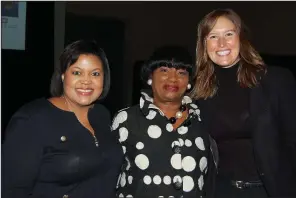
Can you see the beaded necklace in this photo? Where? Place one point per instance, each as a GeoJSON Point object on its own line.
{"type": "Point", "coordinates": [179, 114]}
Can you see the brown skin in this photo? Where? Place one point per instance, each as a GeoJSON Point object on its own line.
{"type": "Point", "coordinates": [83, 85]}
{"type": "Point", "coordinates": [169, 86]}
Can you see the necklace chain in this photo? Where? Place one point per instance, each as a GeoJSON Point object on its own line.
{"type": "Point", "coordinates": [68, 106]}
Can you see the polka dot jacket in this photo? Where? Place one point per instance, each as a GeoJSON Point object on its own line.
{"type": "Point", "coordinates": [161, 162]}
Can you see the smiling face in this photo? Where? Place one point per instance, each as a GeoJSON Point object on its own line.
{"type": "Point", "coordinates": [169, 84]}
{"type": "Point", "coordinates": [222, 43]}
{"type": "Point", "coordinates": [83, 81]}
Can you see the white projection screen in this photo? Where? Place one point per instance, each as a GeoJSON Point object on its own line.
{"type": "Point", "coordinates": [13, 25]}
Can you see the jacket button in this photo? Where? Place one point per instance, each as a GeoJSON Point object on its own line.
{"type": "Point", "coordinates": [178, 185]}
{"type": "Point", "coordinates": [177, 149]}
{"type": "Point", "coordinates": [63, 138]}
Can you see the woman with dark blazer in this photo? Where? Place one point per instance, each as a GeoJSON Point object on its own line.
{"type": "Point", "coordinates": [62, 146]}
{"type": "Point", "coordinates": [249, 110]}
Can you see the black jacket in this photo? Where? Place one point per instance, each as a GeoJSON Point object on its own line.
{"type": "Point", "coordinates": [273, 125]}
{"type": "Point", "coordinates": [47, 153]}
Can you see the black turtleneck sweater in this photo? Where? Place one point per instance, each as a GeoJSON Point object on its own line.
{"type": "Point", "coordinates": [230, 127]}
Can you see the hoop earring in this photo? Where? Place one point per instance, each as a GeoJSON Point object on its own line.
{"type": "Point", "coordinates": [149, 82]}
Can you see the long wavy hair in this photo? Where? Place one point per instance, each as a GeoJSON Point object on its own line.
{"type": "Point", "coordinates": [250, 64]}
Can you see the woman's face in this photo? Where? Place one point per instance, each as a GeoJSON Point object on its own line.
{"type": "Point", "coordinates": [169, 84]}
{"type": "Point", "coordinates": [222, 43]}
{"type": "Point", "coordinates": [83, 81]}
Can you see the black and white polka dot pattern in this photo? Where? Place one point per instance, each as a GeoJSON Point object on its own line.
{"type": "Point", "coordinates": [157, 158]}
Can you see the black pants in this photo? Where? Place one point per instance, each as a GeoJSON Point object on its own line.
{"type": "Point", "coordinates": [224, 189]}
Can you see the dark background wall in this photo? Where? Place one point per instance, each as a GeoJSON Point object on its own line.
{"type": "Point", "coordinates": [129, 32]}
{"type": "Point", "coordinates": [25, 75]}
{"type": "Point", "coordinates": [151, 24]}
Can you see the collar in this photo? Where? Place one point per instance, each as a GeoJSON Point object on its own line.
{"type": "Point", "coordinates": [148, 108]}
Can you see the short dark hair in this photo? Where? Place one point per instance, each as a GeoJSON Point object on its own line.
{"type": "Point", "coordinates": [70, 55]}
{"type": "Point", "coordinates": [169, 56]}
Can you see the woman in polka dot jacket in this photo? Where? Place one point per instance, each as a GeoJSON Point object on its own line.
{"type": "Point", "coordinates": [167, 152]}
